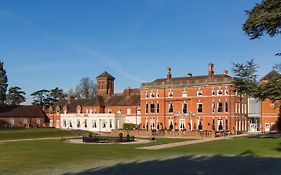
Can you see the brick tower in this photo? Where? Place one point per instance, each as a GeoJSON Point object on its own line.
{"type": "Point", "coordinates": [105, 84]}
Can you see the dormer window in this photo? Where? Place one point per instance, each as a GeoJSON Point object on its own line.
{"type": "Point", "coordinates": [91, 111]}
{"type": "Point", "coordinates": [152, 95]}
{"type": "Point", "coordinates": [78, 109]}
{"type": "Point", "coordinates": [213, 92]}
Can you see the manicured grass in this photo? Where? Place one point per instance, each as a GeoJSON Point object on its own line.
{"type": "Point", "coordinates": [9, 134]}
{"type": "Point", "coordinates": [54, 156]}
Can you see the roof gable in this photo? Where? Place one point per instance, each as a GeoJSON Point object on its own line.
{"type": "Point", "coordinates": [106, 75]}
{"type": "Point", "coordinates": [270, 75]}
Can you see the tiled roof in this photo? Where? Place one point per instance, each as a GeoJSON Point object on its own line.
{"type": "Point", "coordinates": [21, 111]}
{"type": "Point", "coordinates": [107, 75]}
{"type": "Point", "coordinates": [270, 75]}
{"type": "Point", "coordinates": [118, 99]}
{"type": "Point", "coordinates": [123, 100]}
{"type": "Point", "coordinates": [179, 79]}
{"type": "Point", "coordinates": [96, 101]}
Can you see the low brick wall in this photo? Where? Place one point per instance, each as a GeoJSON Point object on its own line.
{"type": "Point", "coordinates": [189, 134]}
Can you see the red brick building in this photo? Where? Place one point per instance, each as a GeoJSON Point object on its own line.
{"type": "Point", "coordinates": [207, 102]}
{"type": "Point", "coordinates": [269, 108]}
{"type": "Point", "coordinates": [22, 117]}
{"type": "Point", "coordinates": [106, 101]}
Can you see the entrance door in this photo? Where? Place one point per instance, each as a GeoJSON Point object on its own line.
{"type": "Point", "coordinates": [267, 127]}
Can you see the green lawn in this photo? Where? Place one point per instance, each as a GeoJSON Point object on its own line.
{"type": "Point", "coordinates": [54, 156]}
{"type": "Point", "coordinates": [9, 134]}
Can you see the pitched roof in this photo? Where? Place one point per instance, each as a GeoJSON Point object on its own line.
{"type": "Point", "coordinates": [96, 101]}
{"type": "Point", "coordinates": [123, 100]}
{"type": "Point", "coordinates": [118, 99]}
{"type": "Point", "coordinates": [270, 75]}
{"type": "Point", "coordinates": [21, 111]}
{"type": "Point", "coordinates": [107, 75]}
{"type": "Point", "coordinates": [179, 79]}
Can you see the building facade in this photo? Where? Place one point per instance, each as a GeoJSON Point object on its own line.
{"type": "Point", "coordinates": [12, 116]}
{"type": "Point", "coordinates": [105, 111]}
{"type": "Point", "coordinates": [269, 108]}
{"type": "Point", "coordinates": [207, 102]}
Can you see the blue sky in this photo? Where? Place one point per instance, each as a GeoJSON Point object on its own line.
{"type": "Point", "coordinates": [50, 43]}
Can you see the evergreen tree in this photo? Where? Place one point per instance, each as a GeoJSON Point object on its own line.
{"type": "Point", "coordinates": [3, 83]}
{"type": "Point", "coordinates": [15, 96]}
{"type": "Point", "coordinates": [41, 98]}
{"type": "Point", "coordinates": [57, 94]}
{"type": "Point", "coordinates": [264, 18]}
{"type": "Point", "coordinates": [245, 78]}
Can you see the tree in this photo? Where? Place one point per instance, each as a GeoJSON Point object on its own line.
{"type": "Point", "coordinates": [245, 80]}
{"type": "Point", "coordinates": [264, 18]}
{"type": "Point", "coordinates": [3, 83]}
{"type": "Point", "coordinates": [245, 77]}
{"type": "Point", "coordinates": [41, 98]}
{"type": "Point", "coordinates": [15, 96]}
{"type": "Point", "coordinates": [86, 88]}
{"type": "Point", "coordinates": [57, 94]}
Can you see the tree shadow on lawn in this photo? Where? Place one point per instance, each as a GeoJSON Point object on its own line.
{"type": "Point", "coordinates": [279, 149]}
{"type": "Point", "coordinates": [204, 165]}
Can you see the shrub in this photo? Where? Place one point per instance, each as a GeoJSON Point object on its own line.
{"type": "Point", "coordinates": [129, 126]}
{"type": "Point", "coordinates": [90, 134]}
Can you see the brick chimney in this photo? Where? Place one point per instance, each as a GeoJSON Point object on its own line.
{"type": "Point", "coordinates": [128, 91]}
{"type": "Point", "coordinates": [169, 75]}
{"type": "Point", "coordinates": [225, 72]}
{"type": "Point", "coordinates": [70, 99]}
{"type": "Point", "coordinates": [211, 70]}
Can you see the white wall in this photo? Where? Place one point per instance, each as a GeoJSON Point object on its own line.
{"type": "Point", "coordinates": [102, 122]}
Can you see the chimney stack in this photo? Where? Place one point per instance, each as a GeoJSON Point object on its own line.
{"type": "Point", "coordinates": [225, 71]}
{"type": "Point", "coordinates": [70, 99]}
{"type": "Point", "coordinates": [211, 70]}
{"type": "Point", "coordinates": [169, 75]}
